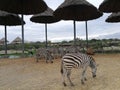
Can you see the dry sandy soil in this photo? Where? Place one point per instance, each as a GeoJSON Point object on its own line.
{"type": "Point", "coordinates": [26, 74]}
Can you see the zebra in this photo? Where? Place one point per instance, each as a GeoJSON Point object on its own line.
{"type": "Point", "coordinates": [44, 53]}
{"type": "Point", "coordinates": [77, 60]}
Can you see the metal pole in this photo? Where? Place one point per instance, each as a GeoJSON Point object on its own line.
{"type": "Point", "coordinates": [5, 40]}
{"type": "Point", "coordinates": [86, 34]}
{"type": "Point", "coordinates": [74, 33]}
{"type": "Point", "coordinates": [46, 44]}
{"type": "Point", "coordinates": [22, 34]}
{"type": "Point", "coordinates": [46, 41]}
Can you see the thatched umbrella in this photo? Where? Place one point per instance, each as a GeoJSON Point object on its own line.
{"type": "Point", "coordinates": [26, 7]}
{"type": "Point", "coordinates": [22, 7]}
{"type": "Point", "coordinates": [114, 17]}
{"type": "Point", "coordinates": [46, 17]}
{"type": "Point", "coordinates": [77, 10]}
{"type": "Point", "coordinates": [9, 19]}
{"type": "Point", "coordinates": [110, 6]}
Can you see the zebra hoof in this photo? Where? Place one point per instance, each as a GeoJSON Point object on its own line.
{"type": "Point", "coordinates": [46, 61]}
{"type": "Point", "coordinates": [82, 83]}
{"type": "Point", "coordinates": [64, 84]}
{"type": "Point", "coordinates": [85, 79]}
{"type": "Point", "coordinates": [72, 84]}
{"type": "Point", "coordinates": [51, 61]}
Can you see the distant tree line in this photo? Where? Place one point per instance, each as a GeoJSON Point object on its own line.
{"type": "Point", "coordinates": [99, 45]}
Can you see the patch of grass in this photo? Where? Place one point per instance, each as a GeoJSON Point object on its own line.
{"type": "Point", "coordinates": [14, 54]}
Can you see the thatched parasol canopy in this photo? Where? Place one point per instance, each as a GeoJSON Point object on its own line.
{"type": "Point", "coordinates": [10, 19]}
{"type": "Point", "coordinates": [78, 10]}
{"type": "Point", "coordinates": [45, 17]}
{"type": "Point", "coordinates": [110, 6]}
{"type": "Point", "coordinates": [23, 6]}
{"type": "Point", "coordinates": [114, 17]}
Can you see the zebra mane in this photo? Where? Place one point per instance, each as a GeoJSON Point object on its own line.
{"type": "Point", "coordinates": [92, 62]}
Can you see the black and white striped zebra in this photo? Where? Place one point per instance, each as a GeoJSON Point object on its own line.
{"type": "Point", "coordinates": [77, 60]}
{"type": "Point", "coordinates": [44, 53]}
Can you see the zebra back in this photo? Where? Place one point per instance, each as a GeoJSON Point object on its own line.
{"type": "Point", "coordinates": [76, 60]}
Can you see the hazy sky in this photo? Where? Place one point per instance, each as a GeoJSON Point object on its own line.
{"type": "Point", "coordinates": [62, 30]}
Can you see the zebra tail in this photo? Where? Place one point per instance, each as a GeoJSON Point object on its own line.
{"type": "Point", "coordinates": [62, 67]}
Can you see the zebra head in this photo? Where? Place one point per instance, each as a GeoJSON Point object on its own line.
{"type": "Point", "coordinates": [93, 67]}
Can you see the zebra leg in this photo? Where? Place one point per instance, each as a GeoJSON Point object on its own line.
{"type": "Point", "coordinates": [37, 57]}
{"type": "Point", "coordinates": [37, 60]}
{"type": "Point", "coordinates": [51, 58]}
{"type": "Point", "coordinates": [46, 61]}
{"type": "Point", "coordinates": [68, 76]}
{"type": "Point", "coordinates": [63, 72]}
{"type": "Point", "coordinates": [85, 78]}
{"type": "Point", "coordinates": [83, 75]}
{"type": "Point", "coordinates": [46, 58]}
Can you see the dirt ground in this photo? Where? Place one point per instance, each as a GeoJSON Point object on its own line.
{"type": "Point", "coordinates": [26, 74]}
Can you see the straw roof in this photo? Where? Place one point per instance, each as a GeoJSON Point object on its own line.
{"type": "Point", "coordinates": [110, 6]}
{"type": "Point", "coordinates": [9, 19]}
{"type": "Point", "coordinates": [114, 17]}
{"type": "Point", "coordinates": [45, 17]}
{"type": "Point", "coordinates": [23, 6]}
{"type": "Point", "coordinates": [79, 10]}
{"type": "Point", "coordinates": [17, 40]}
{"type": "Point", "coordinates": [2, 41]}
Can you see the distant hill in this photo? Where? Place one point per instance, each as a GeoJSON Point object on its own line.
{"type": "Point", "coordinates": [115, 35]}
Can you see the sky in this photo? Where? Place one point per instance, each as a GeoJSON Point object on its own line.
{"type": "Point", "coordinates": [62, 30]}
